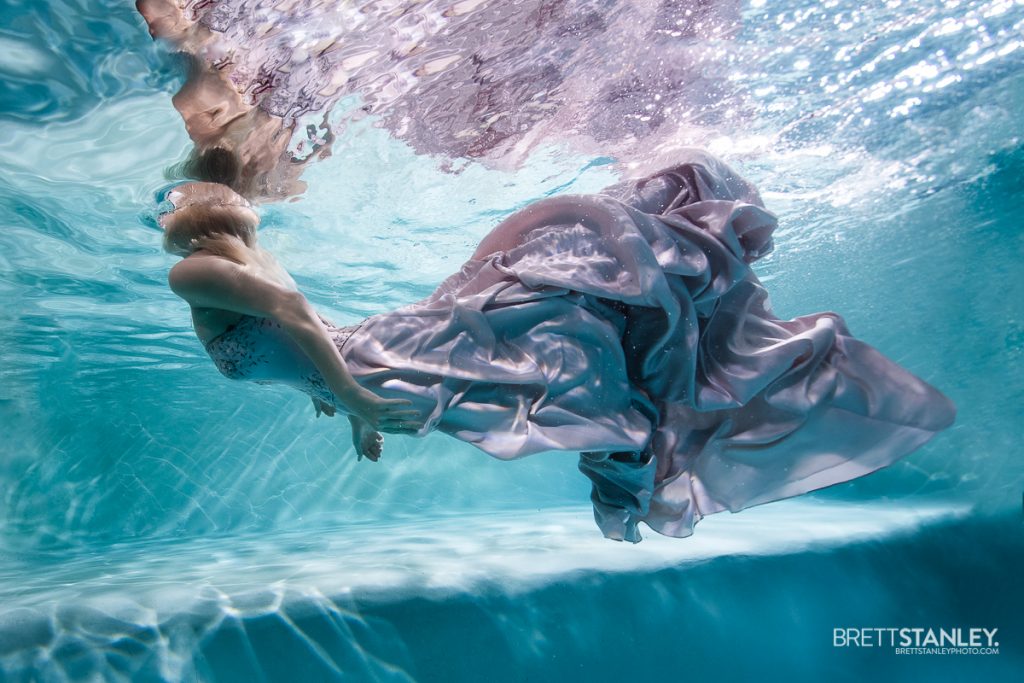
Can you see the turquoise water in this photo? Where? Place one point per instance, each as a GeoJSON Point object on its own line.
{"type": "Point", "coordinates": [159, 522]}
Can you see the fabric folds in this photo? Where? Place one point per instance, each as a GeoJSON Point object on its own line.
{"type": "Point", "coordinates": [630, 327]}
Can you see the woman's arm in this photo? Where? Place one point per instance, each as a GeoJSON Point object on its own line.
{"type": "Point", "coordinates": [214, 282]}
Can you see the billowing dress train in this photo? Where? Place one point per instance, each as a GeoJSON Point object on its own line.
{"type": "Point", "coordinates": [629, 327]}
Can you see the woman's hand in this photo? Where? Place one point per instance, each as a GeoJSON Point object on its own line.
{"type": "Point", "coordinates": [322, 408]}
{"type": "Point", "coordinates": [367, 441]}
{"type": "Point", "coordinates": [385, 414]}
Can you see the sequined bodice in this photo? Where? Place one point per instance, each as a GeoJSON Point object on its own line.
{"type": "Point", "coordinates": [259, 350]}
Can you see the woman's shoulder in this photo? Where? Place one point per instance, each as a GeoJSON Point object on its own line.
{"type": "Point", "coordinates": [199, 272]}
{"type": "Point", "coordinates": [251, 288]}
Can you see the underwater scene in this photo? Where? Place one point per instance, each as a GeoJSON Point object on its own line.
{"type": "Point", "coordinates": [600, 340]}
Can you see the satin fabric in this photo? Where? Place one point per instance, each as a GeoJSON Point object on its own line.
{"type": "Point", "coordinates": [629, 327]}
{"type": "Point", "coordinates": [633, 330]}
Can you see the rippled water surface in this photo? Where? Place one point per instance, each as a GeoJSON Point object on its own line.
{"type": "Point", "coordinates": [886, 135]}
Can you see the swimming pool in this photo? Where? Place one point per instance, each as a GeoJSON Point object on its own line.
{"type": "Point", "coordinates": [157, 522]}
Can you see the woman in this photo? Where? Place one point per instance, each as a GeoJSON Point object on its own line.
{"type": "Point", "coordinates": [628, 326]}
{"type": "Point", "coordinates": [226, 279]}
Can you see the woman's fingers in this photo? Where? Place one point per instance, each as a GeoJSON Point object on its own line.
{"type": "Point", "coordinates": [323, 408]}
{"type": "Point", "coordinates": [370, 448]}
{"type": "Point", "coordinates": [399, 411]}
{"type": "Point", "coordinates": [395, 415]}
{"type": "Point", "coordinates": [374, 447]}
{"type": "Point", "coordinates": [391, 419]}
{"type": "Point", "coordinates": [390, 403]}
{"type": "Point", "coordinates": [406, 422]}
{"type": "Point", "coordinates": [400, 429]}
{"type": "Point", "coordinates": [399, 415]}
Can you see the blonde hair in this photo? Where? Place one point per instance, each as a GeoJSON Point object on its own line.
{"type": "Point", "coordinates": [219, 229]}
{"type": "Point", "coordinates": [214, 218]}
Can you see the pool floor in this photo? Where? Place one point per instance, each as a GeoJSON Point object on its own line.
{"type": "Point", "coordinates": [526, 595]}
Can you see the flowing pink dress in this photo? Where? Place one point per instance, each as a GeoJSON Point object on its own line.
{"type": "Point", "coordinates": [630, 327]}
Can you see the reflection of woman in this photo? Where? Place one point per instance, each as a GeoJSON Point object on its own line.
{"type": "Point", "coordinates": [629, 328]}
